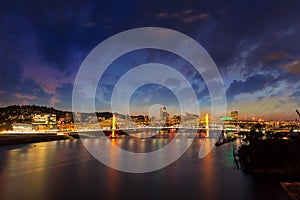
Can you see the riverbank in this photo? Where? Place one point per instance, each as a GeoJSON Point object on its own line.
{"type": "Point", "coordinates": [224, 141]}
{"type": "Point", "coordinates": [272, 157]}
{"type": "Point", "coordinates": [292, 189]}
{"type": "Point", "coordinates": [13, 139]}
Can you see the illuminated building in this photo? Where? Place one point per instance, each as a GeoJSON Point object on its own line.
{"type": "Point", "coordinates": [67, 127]}
{"type": "Point", "coordinates": [235, 117]}
{"type": "Point", "coordinates": [68, 117]}
{"type": "Point", "coordinates": [44, 121]}
{"type": "Point", "coordinates": [163, 113]}
{"type": "Point", "coordinates": [22, 127]}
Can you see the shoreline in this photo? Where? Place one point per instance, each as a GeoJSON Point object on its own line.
{"type": "Point", "coordinates": [16, 139]}
{"type": "Point", "coordinates": [271, 158]}
{"type": "Point", "coordinates": [219, 143]}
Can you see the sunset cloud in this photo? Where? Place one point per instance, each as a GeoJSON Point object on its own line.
{"type": "Point", "coordinates": [257, 54]}
{"type": "Point", "coordinates": [24, 96]}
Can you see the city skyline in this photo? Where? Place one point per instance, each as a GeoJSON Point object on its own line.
{"type": "Point", "coordinates": [254, 45]}
{"type": "Point", "coordinates": [155, 111]}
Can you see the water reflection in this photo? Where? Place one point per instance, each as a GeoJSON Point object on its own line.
{"type": "Point", "coordinates": [65, 170]}
{"type": "Point", "coordinates": [209, 175]}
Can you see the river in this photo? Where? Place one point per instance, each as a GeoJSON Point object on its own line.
{"type": "Point", "coordinates": [66, 170]}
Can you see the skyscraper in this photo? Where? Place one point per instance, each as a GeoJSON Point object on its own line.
{"type": "Point", "coordinates": [163, 113]}
{"type": "Point", "coordinates": [235, 117]}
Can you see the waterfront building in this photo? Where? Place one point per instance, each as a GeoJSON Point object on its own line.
{"type": "Point", "coordinates": [44, 121]}
{"type": "Point", "coordinates": [22, 127]}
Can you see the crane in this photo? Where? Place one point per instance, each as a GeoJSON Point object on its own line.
{"type": "Point", "coordinates": [298, 113]}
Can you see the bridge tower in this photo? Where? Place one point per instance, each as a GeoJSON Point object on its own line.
{"type": "Point", "coordinates": [114, 122]}
{"type": "Point", "coordinates": [207, 124]}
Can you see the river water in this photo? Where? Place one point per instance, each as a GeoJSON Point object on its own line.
{"type": "Point", "coordinates": [66, 170]}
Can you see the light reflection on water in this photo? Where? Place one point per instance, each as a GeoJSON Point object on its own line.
{"type": "Point", "coordinates": [65, 170]}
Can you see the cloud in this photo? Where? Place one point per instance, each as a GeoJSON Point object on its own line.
{"type": "Point", "coordinates": [250, 85]}
{"type": "Point", "coordinates": [63, 97]}
{"type": "Point", "coordinates": [47, 77]}
{"type": "Point", "coordinates": [151, 94]}
{"type": "Point", "coordinates": [44, 44]}
{"type": "Point", "coordinates": [276, 100]}
{"type": "Point", "coordinates": [24, 74]}
{"type": "Point", "coordinates": [24, 96]}
{"type": "Point", "coordinates": [187, 12]}
{"type": "Point", "coordinates": [267, 108]}
{"type": "Point", "coordinates": [185, 16]}
{"type": "Point", "coordinates": [275, 56]}
{"type": "Point", "coordinates": [292, 67]}
{"type": "Point", "coordinates": [54, 100]}
{"type": "Point", "coordinates": [162, 15]}
{"type": "Point", "coordinates": [193, 18]}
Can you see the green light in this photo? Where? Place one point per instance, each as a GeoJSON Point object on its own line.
{"type": "Point", "coordinates": [226, 118]}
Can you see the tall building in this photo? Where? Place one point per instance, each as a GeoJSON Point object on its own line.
{"type": "Point", "coordinates": [235, 117]}
{"type": "Point", "coordinates": [163, 113]}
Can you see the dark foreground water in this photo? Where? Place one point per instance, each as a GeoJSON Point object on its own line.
{"type": "Point", "coordinates": [66, 170]}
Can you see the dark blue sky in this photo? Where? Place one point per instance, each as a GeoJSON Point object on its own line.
{"type": "Point", "coordinates": [255, 44]}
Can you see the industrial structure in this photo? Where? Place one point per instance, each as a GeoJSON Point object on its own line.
{"type": "Point", "coordinates": [298, 113]}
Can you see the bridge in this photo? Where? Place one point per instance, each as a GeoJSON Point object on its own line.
{"type": "Point", "coordinates": [122, 126]}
